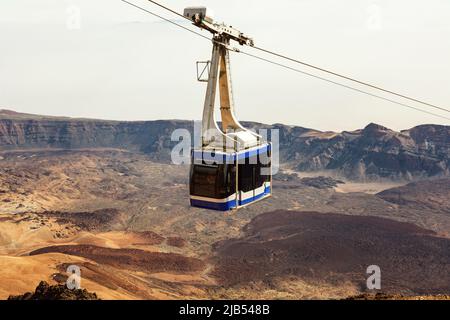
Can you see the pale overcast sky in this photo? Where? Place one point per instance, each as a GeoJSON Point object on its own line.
{"type": "Point", "coordinates": [120, 63]}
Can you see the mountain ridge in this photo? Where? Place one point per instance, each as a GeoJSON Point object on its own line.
{"type": "Point", "coordinates": [370, 153]}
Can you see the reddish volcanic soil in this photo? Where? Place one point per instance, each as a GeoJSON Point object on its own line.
{"type": "Point", "coordinates": [336, 248]}
{"type": "Point", "coordinates": [176, 242]}
{"type": "Point", "coordinates": [149, 238]}
{"type": "Point", "coordinates": [131, 259]}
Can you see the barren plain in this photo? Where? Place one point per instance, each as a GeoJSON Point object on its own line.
{"type": "Point", "coordinates": [126, 221]}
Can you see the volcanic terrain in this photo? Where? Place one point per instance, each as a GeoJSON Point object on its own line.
{"type": "Point", "coordinates": [100, 196]}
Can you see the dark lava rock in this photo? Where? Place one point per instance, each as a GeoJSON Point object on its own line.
{"type": "Point", "coordinates": [321, 182]}
{"type": "Point", "coordinates": [423, 195]}
{"type": "Point", "coordinates": [44, 291]}
{"type": "Point", "coordinates": [291, 181]}
{"type": "Point", "coordinates": [335, 248]}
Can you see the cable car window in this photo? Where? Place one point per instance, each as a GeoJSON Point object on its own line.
{"type": "Point", "coordinates": [203, 180]}
{"type": "Point", "coordinates": [247, 174]}
{"type": "Point", "coordinates": [231, 179]}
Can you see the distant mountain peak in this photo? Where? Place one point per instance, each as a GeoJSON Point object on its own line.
{"type": "Point", "coordinates": [374, 127]}
{"type": "Point", "coordinates": [8, 112]}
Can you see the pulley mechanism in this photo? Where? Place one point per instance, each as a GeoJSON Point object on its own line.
{"type": "Point", "coordinates": [202, 18]}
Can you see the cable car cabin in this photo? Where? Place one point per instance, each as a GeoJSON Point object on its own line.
{"type": "Point", "coordinates": [232, 168]}
{"type": "Point", "coordinates": [217, 183]}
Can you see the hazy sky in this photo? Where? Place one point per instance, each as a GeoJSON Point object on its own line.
{"type": "Point", "coordinates": [117, 62]}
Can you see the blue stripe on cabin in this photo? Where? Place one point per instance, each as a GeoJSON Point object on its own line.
{"type": "Point", "coordinates": [228, 157]}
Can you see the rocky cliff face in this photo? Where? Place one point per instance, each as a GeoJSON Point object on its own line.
{"type": "Point", "coordinates": [19, 131]}
{"type": "Point", "coordinates": [371, 153]}
{"type": "Point", "coordinates": [376, 152]}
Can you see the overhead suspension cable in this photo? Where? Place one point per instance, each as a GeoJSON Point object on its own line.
{"type": "Point", "coordinates": [322, 69]}
{"type": "Point", "coordinates": [165, 19]}
{"type": "Point", "coordinates": [168, 9]}
{"type": "Point", "coordinates": [170, 21]}
{"type": "Point", "coordinates": [350, 79]}
{"type": "Point", "coordinates": [341, 85]}
{"type": "Point", "coordinates": [303, 63]}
